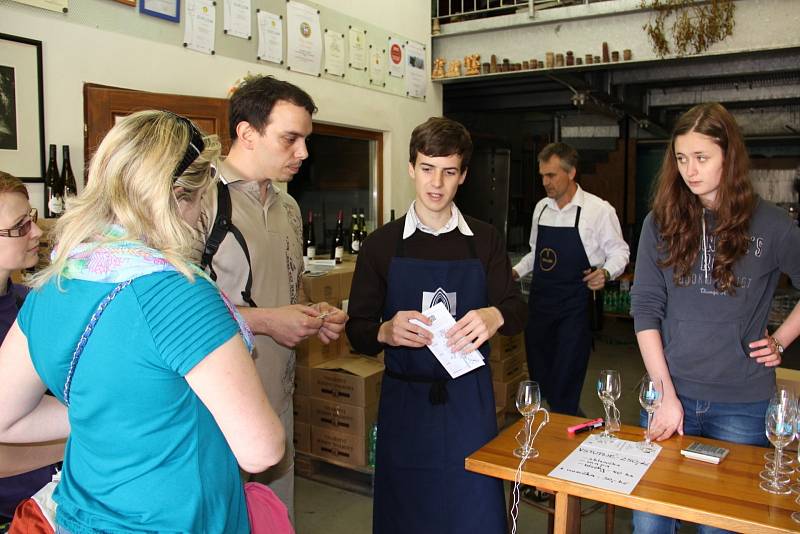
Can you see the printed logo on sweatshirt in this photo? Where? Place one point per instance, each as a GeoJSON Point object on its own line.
{"type": "Point", "coordinates": [431, 299]}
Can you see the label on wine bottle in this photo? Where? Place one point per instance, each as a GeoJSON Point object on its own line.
{"type": "Point", "coordinates": [55, 205]}
{"type": "Point", "coordinates": [311, 251]}
{"type": "Point", "coordinates": [339, 254]}
{"type": "Point", "coordinates": [356, 245]}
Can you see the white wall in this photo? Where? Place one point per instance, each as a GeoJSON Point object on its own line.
{"type": "Point", "coordinates": [75, 53]}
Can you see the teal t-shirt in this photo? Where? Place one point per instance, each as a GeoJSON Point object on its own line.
{"type": "Point", "coordinates": [144, 454]}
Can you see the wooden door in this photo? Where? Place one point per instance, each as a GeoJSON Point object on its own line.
{"type": "Point", "coordinates": [103, 105]}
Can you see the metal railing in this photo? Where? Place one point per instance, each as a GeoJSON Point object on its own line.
{"type": "Point", "coordinates": [457, 10]}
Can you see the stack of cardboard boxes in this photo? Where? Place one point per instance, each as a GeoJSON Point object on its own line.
{"type": "Point", "coordinates": [507, 360]}
{"type": "Point", "coordinates": [336, 392]}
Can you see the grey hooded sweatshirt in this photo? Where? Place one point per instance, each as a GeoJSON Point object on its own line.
{"type": "Point", "coordinates": [706, 333]}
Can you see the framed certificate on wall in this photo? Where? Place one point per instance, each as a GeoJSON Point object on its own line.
{"type": "Point", "coordinates": [163, 9]}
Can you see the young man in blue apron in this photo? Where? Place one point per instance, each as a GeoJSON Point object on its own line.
{"type": "Point", "coordinates": [428, 422]}
{"type": "Point", "coordinates": [576, 247]}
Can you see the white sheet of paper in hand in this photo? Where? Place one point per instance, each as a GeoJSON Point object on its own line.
{"type": "Point", "coordinates": [455, 363]}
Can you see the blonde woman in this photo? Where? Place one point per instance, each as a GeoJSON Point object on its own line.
{"type": "Point", "coordinates": [153, 381]}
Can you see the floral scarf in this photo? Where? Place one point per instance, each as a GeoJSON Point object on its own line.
{"type": "Point", "coordinates": [120, 260]}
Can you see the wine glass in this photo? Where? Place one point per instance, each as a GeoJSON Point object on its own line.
{"type": "Point", "coordinates": [779, 423]}
{"type": "Point", "coordinates": [529, 400]}
{"type": "Point", "coordinates": [650, 395]}
{"type": "Point", "coordinates": [609, 389]}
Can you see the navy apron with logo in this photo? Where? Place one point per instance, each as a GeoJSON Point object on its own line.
{"type": "Point", "coordinates": [427, 422]}
{"type": "Point", "coordinates": [557, 337]}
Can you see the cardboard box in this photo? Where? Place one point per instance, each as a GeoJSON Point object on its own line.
{"type": "Point", "coordinates": [343, 417]}
{"type": "Point", "coordinates": [346, 282]}
{"type": "Point", "coordinates": [302, 380]}
{"type": "Point", "coordinates": [505, 370]}
{"type": "Point", "coordinates": [311, 351]}
{"type": "Point", "coordinates": [301, 407]}
{"type": "Point", "coordinates": [505, 393]}
{"type": "Point", "coordinates": [339, 446]}
{"type": "Point", "coordinates": [302, 437]}
{"type": "Point", "coordinates": [504, 347]}
{"type": "Point", "coordinates": [501, 417]}
{"type": "Point", "coordinates": [322, 288]}
{"type": "Point", "coordinates": [352, 380]}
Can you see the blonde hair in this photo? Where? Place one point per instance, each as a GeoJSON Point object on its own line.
{"type": "Point", "coordinates": [131, 184]}
{"type": "Point", "coordinates": [12, 184]}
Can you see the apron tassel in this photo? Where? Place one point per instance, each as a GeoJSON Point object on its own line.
{"type": "Point", "coordinates": [438, 392]}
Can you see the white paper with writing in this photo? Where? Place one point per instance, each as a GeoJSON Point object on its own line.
{"type": "Point", "coordinates": [198, 32]}
{"type": "Point", "coordinates": [615, 465]}
{"type": "Point", "coordinates": [303, 38]}
{"type": "Point", "coordinates": [270, 37]}
{"type": "Point", "coordinates": [334, 53]}
{"type": "Point", "coordinates": [456, 364]}
{"type": "Point", "coordinates": [236, 19]}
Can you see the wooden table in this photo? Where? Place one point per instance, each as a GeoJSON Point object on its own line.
{"type": "Point", "coordinates": [724, 495]}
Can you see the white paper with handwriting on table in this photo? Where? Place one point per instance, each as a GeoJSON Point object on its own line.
{"type": "Point", "coordinates": [615, 465]}
{"type": "Point", "coordinates": [455, 363]}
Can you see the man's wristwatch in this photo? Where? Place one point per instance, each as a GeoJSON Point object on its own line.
{"type": "Point", "coordinates": [606, 275]}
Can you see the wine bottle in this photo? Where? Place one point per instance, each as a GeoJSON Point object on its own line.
{"type": "Point", "coordinates": [362, 225]}
{"type": "Point", "coordinates": [355, 235]}
{"type": "Point", "coordinates": [391, 215]}
{"type": "Point", "coordinates": [53, 195]}
{"type": "Point", "coordinates": [337, 247]}
{"type": "Point", "coordinates": [310, 242]}
{"type": "Point", "coordinates": [67, 178]}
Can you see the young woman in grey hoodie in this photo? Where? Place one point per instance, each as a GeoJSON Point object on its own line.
{"type": "Point", "coordinates": [708, 263]}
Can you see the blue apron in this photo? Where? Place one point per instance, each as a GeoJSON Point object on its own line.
{"type": "Point", "coordinates": [428, 422]}
{"type": "Point", "coordinates": [557, 337]}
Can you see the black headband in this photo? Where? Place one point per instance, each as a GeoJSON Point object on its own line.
{"type": "Point", "coordinates": [193, 150]}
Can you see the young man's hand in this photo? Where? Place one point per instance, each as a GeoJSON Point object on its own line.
{"type": "Point", "coordinates": [333, 321]}
{"type": "Point", "coordinates": [474, 329]}
{"type": "Point", "coordinates": [400, 332]}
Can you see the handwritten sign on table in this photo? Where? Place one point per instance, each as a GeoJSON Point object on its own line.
{"type": "Point", "coordinates": [456, 363]}
{"type": "Point", "coordinates": [614, 464]}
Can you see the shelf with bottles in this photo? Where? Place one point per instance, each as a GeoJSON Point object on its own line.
{"type": "Point", "coordinates": [617, 298]}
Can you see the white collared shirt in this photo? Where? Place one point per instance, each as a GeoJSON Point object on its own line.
{"type": "Point", "coordinates": [413, 223]}
{"type": "Point", "coordinates": [598, 228]}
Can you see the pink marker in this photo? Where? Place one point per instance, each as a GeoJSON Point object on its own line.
{"type": "Point", "coordinates": [585, 426]}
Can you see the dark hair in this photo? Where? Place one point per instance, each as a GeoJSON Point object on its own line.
{"type": "Point", "coordinates": [678, 211]}
{"type": "Point", "coordinates": [254, 99]}
{"type": "Point", "coordinates": [440, 136]}
{"type": "Point", "coordinates": [567, 154]}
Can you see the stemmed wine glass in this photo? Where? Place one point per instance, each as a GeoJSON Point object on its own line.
{"type": "Point", "coordinates": [650, 395]}
{"type": "Point", "coordinates": [609, 389]}
{"type": "Point", "coordinates": [780, 422]}
{"type": "Point", "coordinates": [529, 402]}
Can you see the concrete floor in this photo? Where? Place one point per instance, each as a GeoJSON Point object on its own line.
{"type": "Point", "coordinates": [320, 508]}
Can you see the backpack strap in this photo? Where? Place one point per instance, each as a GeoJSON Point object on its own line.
{"type": "Point", "coordinates": [76, 355]}
{"type": "Point", "coordinates": [223, 223]}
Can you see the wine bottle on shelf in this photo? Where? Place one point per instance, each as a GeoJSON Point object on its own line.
{"type": "Point", "coordinates": [355, 234]}
{"type": "Point", "coordinates": [337, 247]}
{"type": "Point", "coordinates": [67, 178]}
{"type": "Point", "coordinates": [310, 242]}
{"type": "Point", "coordinates": [53, 191]}
{"type": "Point", "coordinates": [362, 225]}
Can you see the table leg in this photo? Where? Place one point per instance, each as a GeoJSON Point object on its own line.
{"type": "Point", "coordinates": [568, 514]}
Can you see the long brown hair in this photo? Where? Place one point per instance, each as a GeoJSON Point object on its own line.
{"type": "Point", "coordinates": [678, 211]}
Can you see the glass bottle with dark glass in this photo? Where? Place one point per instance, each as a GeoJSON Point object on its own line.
{"type": "Point", "coordinates": [362, 225]}
{"type": "Point", "coordinates": [67, 178]}
{"type": "Point", "coordinates": [391, 215]}
{"type": "Point", "coordinates": [355, 234]}
{"type": "Point", "coordinates": [53, 190]}
{"type": "Point", "coordinates": [310, 241]}
{"type": "Point", "coordinates": [337, 247]}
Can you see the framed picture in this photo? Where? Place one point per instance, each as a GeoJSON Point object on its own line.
{"type": "Point", "coordinates": [21, 108]}
{"type": "Point", "coordinates": [163, 9]}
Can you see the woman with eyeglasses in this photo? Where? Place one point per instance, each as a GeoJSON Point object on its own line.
{"type": "Point", "coordinates": [149, 364]}
{"type": "Point", "coordinates": [23, 470]}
